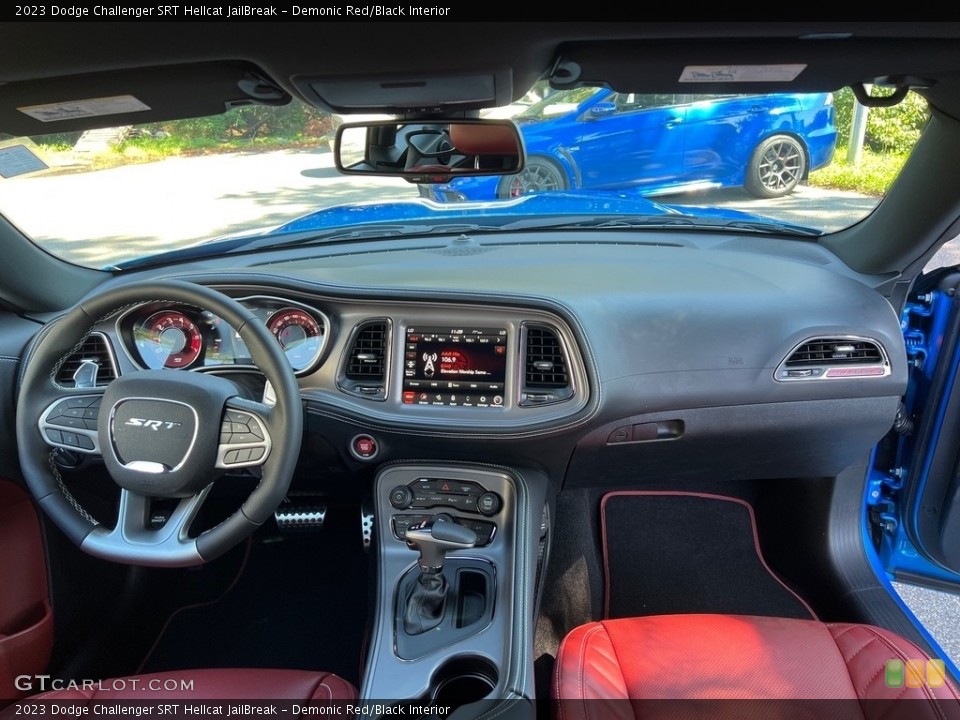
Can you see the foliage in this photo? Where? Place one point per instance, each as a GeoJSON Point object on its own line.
{"type": "Point", "coordinates": [894, 129]}
{"type": "Point", "coordinates": [293, 121]}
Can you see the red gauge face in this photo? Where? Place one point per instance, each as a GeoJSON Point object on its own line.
{"type": "Point", "coordinates": [299, 334]}
{"type": "Point", "coordinates": [168, 339]}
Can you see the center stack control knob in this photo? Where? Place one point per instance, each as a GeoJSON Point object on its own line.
{"type": "Point", "coordinates": [401, 497]}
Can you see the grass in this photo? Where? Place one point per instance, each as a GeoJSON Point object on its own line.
{"type": "Point", "coordinates": [873, 176]}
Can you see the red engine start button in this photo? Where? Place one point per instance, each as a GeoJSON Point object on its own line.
{"type": "Point", "coordinates": [364, 447]}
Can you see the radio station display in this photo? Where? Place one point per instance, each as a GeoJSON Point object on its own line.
{"type": "Point", "coordinates": [455, 367]}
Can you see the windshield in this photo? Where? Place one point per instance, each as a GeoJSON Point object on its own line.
{"type": "Point", "coordinates": [782, 164]}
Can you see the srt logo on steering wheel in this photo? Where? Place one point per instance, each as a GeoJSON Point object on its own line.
{"type": "Point", "coordinates": [152, 424]}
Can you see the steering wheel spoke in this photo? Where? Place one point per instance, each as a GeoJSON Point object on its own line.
{"type": "Point", "coordinates": [244, 436]}
{"type": "Point", "coordinates": [134, 538]}
{"type": "Point", "coordinates": [71, 422]}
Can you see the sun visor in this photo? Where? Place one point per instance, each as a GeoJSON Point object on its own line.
{"type": "Point", "coordinates": [812, 64]}
{"type": "Point", "coordinates": [423, 93]}
{"type": "Point", "coordinates": [131, 97]}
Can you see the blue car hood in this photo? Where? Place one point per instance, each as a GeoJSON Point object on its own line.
{"type": "Point", "coordinates": [426, 213]}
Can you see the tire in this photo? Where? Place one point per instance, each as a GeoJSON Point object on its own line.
{"type": "Point", "coordinates": [540, 175]}
{"type": "Point", "coordinates": [777, 166]}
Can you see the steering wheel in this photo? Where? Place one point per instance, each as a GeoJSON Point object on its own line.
{"type": "Point", "coordinates": [161, 433]}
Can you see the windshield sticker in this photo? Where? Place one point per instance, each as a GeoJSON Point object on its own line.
{"type": "Point", "coordinates": [19, 160]}
{"type": "Point", "coordinates": [740, 73]}
{"type": "Point", "coordinates": [94, 107]}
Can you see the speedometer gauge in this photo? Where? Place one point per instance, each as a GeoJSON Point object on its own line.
{"type": "Point", "coordinates": [299, 334]}
{"type": "Point", "coordinates": [168, 339]}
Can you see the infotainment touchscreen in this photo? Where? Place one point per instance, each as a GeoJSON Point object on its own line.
{"type": "Point", "coordinates": [455, 367]}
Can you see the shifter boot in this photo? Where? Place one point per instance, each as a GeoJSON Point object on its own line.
{"type": "Point", "coordinates": [425, 603]}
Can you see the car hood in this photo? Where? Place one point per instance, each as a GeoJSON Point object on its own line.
{"type": "Point", "coordinates": [425, 216]}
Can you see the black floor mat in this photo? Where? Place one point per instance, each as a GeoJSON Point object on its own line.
{"type": "Point", "coordinates": [301, 602]}
{"type": "Point", "coordinates": [667, 553]}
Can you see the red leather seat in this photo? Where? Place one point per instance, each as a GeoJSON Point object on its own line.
{"type": "Point", "coordinates": [245, 684]}
{"type": "Point", "coordinates": [690, 657]}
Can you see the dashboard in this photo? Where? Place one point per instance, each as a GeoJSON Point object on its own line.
{"type": "Point", "coordinates": [606, 363]}
{"type": "Point", "coordinates": [404, 362]}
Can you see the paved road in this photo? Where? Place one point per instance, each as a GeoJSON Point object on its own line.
{"type": "Point", "coordinates": [939, 612]}
{"type": "Point", "coordinates": [156, 206]}
{"type": "Point", "coordinates": [146, 208]}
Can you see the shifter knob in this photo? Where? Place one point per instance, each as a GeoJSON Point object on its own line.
{"type": "Point", "coordinates": [434, 537]}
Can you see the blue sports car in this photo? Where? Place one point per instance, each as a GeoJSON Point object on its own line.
{"type": "Point", "coordinates": [597, 139]}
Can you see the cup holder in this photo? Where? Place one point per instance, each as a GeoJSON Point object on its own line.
{"type": "Point", "coordinates": [464, 680]}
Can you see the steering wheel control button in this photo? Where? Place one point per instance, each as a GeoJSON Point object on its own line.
{"type": "Point", "coordinates": [364, 447]}
{"type": "Point", "coordinates": [489, 504]}
{"type": "Point", "coordinates": [72, 423]}
{"type": "Point", "coordinates": [401, 497]}
{"type": "Point", "coordinates": [243, 440]}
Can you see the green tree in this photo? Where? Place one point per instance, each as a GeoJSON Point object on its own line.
{"type": "Point", "coordinates": [889, 130]}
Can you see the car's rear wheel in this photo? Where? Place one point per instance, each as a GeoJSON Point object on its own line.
{"type": "Point", "coordinates": [540, 175]}
{"type": "Point", "coordinates": [777, 166]}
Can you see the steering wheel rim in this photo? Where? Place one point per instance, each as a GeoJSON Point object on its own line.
{"type": "Point", "coordinates": [132, 540]}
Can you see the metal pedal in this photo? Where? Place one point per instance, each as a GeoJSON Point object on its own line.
{"type": "Point", "coordinates": [300, 517]}
{"type": "Point", "coordinates": [366, 523]}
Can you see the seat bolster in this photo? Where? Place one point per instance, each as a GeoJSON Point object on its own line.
{"type": "Point", "coordinates": [587, 673]}
{"type": "Point", "coordinates": [866, 650]}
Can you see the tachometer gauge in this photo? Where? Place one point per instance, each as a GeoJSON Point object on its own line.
{"type": "Point", "coordinates": [168, 339]}
{"type": "Point", "coordinates": [299, 334]}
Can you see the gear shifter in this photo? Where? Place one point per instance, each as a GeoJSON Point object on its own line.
{"type": "Point", "coordinates": [433, 539]}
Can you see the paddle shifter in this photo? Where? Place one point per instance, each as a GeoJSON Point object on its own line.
{"type": "Point", "coordinates": [433, 538]}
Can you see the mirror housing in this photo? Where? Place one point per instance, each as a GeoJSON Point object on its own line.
{"type": "Point", "coordinates": [429, 151]}
{"type": "Point", "coordinates": [601, 109]}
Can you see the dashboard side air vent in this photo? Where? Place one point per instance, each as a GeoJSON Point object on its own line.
{"type": "Point", "coordinates": [546, 372]}
{"type": "Point", "coordinates": [834, 357]}
{"type": "Point", "coordinates": [365, 367]}
{"type": "Point", "coordinates": [94, 354]}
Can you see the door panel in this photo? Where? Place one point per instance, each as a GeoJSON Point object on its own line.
{"type": "Point", "coordinates": [26, 619]}
{"type": "Point", "coordinates": [638, 143]}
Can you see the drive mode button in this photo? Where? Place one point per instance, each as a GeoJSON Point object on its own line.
{"type": "Point", "coordinates": [489, 504]}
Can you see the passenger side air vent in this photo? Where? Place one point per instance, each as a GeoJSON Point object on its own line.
{"type": "Point", "coordinates": [365, 371]}
{"type": "Point", "coordinates": [546, 372]}
{"type": "Point", "coordinates": [77, 371]}
{"type": "Point", "coordinates": [836, 357]}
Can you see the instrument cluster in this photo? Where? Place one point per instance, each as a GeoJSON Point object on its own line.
{"type": "Point", "coordinates": [163, 335]}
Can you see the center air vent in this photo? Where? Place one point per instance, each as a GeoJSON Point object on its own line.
{"type": "Point", "coordinates": [546, 372]}
{"type": "Point", "coordinates": [365, 370]}
{"type": "Point", "coordinates": [834, 357]}
{"type": "Point", "coordinates": [93, 350]}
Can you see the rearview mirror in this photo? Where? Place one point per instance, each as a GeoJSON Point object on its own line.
{"type": "Point", "coordinates": [429, 151]}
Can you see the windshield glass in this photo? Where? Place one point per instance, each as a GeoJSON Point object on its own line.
{"type": "Point", "coordinates": [785, 164]}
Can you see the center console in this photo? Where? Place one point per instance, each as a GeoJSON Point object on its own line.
{"type": "Point", "coordinates": [457, 554]}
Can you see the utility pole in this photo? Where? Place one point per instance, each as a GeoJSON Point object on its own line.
{"type": "Point", "coordinates": [858, 131]}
